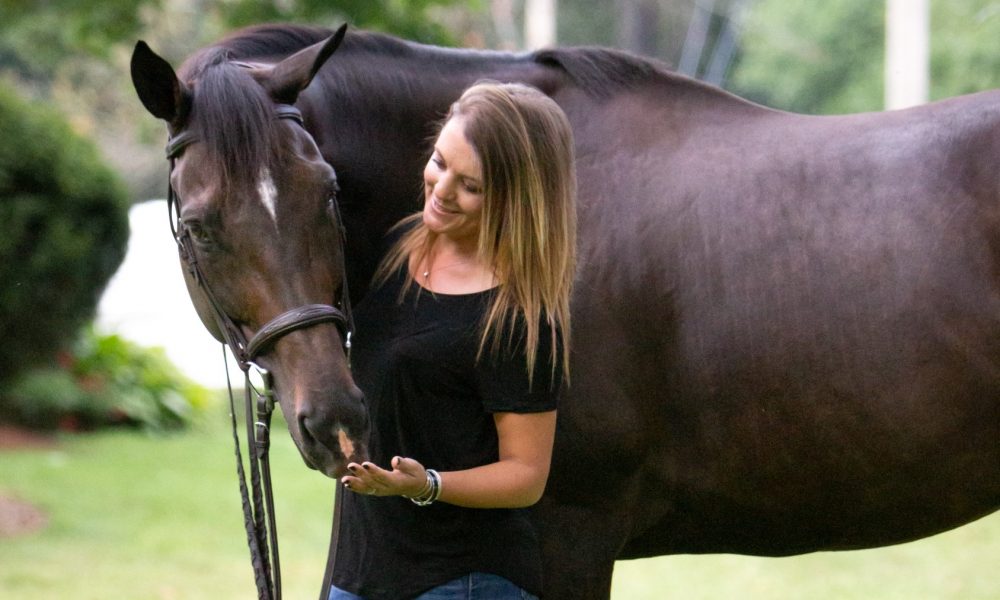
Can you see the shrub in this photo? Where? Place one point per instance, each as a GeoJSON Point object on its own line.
{"type": "Point", "coordinates": [105, 380]}
{"type": "Point", "coordinates": [64, 220]}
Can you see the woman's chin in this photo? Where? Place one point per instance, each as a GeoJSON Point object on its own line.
{"type": "Point", "coordinates": [440, 224]}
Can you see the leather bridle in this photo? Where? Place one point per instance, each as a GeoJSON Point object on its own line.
{"type": "Point", "coordinates": [261, 537]}
{"type": "Point", "coordinates": [296, 318]}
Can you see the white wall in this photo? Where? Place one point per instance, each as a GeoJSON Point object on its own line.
{"type": "Point", "coordinates": [146, 301]}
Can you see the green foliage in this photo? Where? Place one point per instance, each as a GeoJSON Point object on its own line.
{"type": "Point", "coordinates": [406, 18]}
{"type": "Point", "coordinates": [64, 225]}
{"type": "Point", "coordinates": [813, 57]}
{"type": "Point", "coordinates": [38, 35]}
{"type": "Point", "coordinates": [106, 380]}
{"type": "Point", "coordinates": [828, 57]}
{"type": "Point", "coordinates": [75, 54]}
{"type": "Point", "coordinates": [586, 23]}
{"type": "Point", "coordinates": [965, 46]}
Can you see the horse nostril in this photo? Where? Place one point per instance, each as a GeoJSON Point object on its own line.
{"type": "Point", "coordinates": [335, 437]}
{"type": "Point", "coordinates": [309, 428]}
{"type": "Point", "coordinates": [336, 429]}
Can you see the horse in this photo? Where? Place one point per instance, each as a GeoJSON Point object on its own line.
{"type": "Point", "coordinates": [786, 328]}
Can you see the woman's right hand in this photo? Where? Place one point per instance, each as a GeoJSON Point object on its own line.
{"type": "Point", "coordinates": [407, 478]}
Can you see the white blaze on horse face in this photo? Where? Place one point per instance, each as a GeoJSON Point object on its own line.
{"type": "Point", "coordinates": [346, 445]}
{"type": "Point", "coordinates": [268, 194]}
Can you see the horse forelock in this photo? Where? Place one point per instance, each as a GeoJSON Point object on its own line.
{"type": "Point", "coordinates": [234, 118]}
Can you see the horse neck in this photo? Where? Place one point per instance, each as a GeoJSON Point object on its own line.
{"type": "Point", "coordinates": [374, 115]}
{"type": "Point", "coordinates": [410, 88]}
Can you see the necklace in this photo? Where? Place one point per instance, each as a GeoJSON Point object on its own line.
{"type": "Point", "coordinates": [427, 272]}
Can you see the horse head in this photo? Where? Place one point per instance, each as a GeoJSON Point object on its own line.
{"type": "Point", "coordinates": [259, 233]}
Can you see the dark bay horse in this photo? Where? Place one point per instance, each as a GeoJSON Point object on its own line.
{"type": "Point", "coordinates": [786, 327]}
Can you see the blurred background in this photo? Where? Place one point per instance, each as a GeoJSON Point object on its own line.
{"type": "Point", "coordinates": [111, 413]}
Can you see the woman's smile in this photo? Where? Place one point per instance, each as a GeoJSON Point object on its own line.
{"type": "Point", "coordinates": [438, 206]}
{"type": "Point", "coordinates": [453, 184]}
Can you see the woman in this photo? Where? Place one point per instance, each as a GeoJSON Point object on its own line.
{"type": "Point", "coordinates": [462, 348]}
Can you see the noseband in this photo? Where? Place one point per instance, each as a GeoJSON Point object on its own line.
{"type": "Point", "coordinates": [260, 535]}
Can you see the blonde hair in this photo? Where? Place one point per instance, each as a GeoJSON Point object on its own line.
{"type": "Point", "coordinates": [527, 231]}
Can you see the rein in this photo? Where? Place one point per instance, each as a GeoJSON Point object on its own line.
{"type": "Point", "coordinates": [258, 501]}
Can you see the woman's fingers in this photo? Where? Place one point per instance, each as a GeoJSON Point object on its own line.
{"type": "Point", "coordinates": [408, 467]}
{"type": "Point", "coordinates": [363, 479]}
{"type": "Point", "coordinates": [413, 476]}
{"type": "Point", "coordinates": [368, 478]}
{"type": "Point", "coordinates": [375, 473]}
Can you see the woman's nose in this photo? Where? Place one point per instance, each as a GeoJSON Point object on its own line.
{"type": "Point", "coordinates": [444, 187]}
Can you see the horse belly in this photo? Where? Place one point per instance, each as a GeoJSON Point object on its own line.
{"type": "Point", "coordinates": [827, 380]}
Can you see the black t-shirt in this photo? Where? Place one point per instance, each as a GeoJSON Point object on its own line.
{"type": "Point", "coordinates": [431, 400]}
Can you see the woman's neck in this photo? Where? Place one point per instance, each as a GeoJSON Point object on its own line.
{"type": "Point", "coordinates": [454, 268]}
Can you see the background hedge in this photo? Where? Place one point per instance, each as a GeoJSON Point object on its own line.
{"type": "Point", "coordinates": [63, 233]}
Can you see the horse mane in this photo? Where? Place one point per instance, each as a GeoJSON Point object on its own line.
{"type": "Point", "coordinates": [601, 72]}
{"type": "Point", "coordinates": [280, 40]}
{"type": "Point", "coordinates": [233, 116]}
{"type": "Point", "coordinates": [271, 40]}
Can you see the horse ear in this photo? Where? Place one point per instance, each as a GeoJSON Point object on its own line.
{"type": "Point", "coordinates": [285, 80]}
{"type": "Point", "coordinates": [158, 87]}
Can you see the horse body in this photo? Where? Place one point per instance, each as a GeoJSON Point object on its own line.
{"type": "Point", "coordinates": [786, 328]}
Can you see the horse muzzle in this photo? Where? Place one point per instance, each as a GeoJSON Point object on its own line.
{"type": "Point", "coordinates": [332, 437]}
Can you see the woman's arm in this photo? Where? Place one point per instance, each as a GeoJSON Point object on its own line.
{"type": "Point", "coordinates": [517, 479]}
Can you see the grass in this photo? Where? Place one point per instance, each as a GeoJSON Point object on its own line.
{"type": "Point", "coordinates": [158, 517]}
{"type": "Point", "coordinates": [957, 565]}
{"type": "Point", "coordinates": [134, 516]}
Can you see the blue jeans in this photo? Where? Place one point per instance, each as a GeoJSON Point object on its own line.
{"type": "Point", "coordinates": [474, 586]}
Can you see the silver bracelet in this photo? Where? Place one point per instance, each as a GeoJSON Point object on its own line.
{"type": "Point", "coordinates": [431, 491]}
{"type": "Point", "coordinates": [436, 493]}
{"type": "Point", "coordinates": [424, 491]}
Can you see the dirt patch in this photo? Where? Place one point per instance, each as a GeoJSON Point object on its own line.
{"type": "Point", "coordinates": [18, 517]}
{"type": "Point", "coordinates": [16, 438]}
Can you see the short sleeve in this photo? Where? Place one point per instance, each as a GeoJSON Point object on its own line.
{"type": "Point", "coordinates": [502, 375]}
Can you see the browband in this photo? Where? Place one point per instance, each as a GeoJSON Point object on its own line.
{"type": "Point", "coordinates": [177, 143]}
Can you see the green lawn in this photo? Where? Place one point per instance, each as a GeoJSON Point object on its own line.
{"type": "Point", "coordinates": [157, 517]}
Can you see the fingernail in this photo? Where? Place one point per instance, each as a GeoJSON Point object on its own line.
{"type": "Point", "coordinates": [366, 466]}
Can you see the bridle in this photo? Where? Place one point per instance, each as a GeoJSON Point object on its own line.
{"type": "Point", "coordinates": [297, 318]}
{"type": "Point", "coordinates": [261, 536]}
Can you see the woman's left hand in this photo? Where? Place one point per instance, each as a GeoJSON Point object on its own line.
{"type": "Point", "coordinates": [407, 478]}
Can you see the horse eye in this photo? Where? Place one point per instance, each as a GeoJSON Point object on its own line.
{"type": "Point", "coordinates": [198, 233]}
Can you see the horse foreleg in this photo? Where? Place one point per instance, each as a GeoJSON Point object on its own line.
{"type": "Point", "coordinates": [579, 545]}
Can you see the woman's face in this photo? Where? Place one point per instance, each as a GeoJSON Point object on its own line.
{"type": "Point", "coordinates": [453, 185]}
